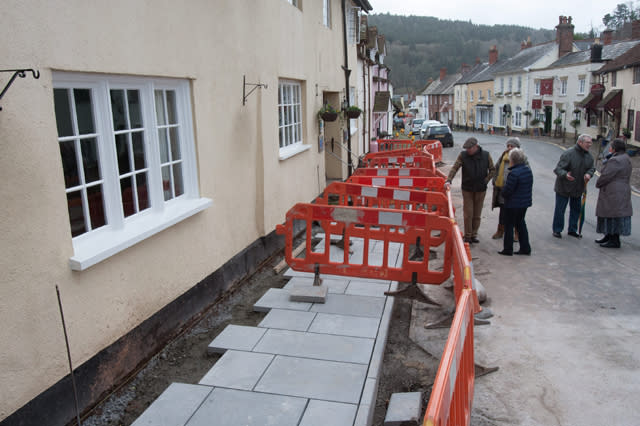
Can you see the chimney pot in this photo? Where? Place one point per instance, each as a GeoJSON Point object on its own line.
{"type": "Point", "coordinates": [493, 55]}
{"type": "Point", "coordinates": [564, 36]}
{"type": "Point", "coordinates": [635, 30]}
{"type": "Point", "coordinates": [443, 73]}
{"type": "Point", "coordinates": [607, 37]}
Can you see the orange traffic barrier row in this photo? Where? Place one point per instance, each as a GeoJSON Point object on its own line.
{"type": "Point", "coordinates": [412, 150]}
{"type": "Point", "coordinates": [391, 144]}
{"type": "Point", "coordinates": [404, 171]}
{"type": "Point", "coordinates": [351, 194]}
{"type": "Point", "coordinates": [452, 392]}
{"type": "Point", "coordinates": [399, 161]}
{"type": "Point", "coordinates": [433, 147]}
{"type": "Point", "coordinates": [370, 227]}
{"type": "Point", "coordinates": [423, 183]}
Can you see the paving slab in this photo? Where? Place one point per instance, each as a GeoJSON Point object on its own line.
{"type": "Point", "coordinates": [363, 306]}
{"type": "Point", "coordinates": [311, 294]}
{"type": "Point", "coordinates": [367, 288]}
{"type": "Point", "coordinates": [237, 370]}
{"type": "Point", "coordinates": [314, 378]}
{"type": "Point", "coordinates": [404, 408]}
{"type": "Point", "coordinates": [323, 413]}
{"type": "Point", "coordinates": [288, 320]}
{"type": "Point", "coordinates": [318, 346]}
{"type": "Point", "coordinates": [238, 337]}
{"type": "Point", "coordinates": [230, 407]}
{"type": "Point", "coordinates": [334, 285]}
{"type": "Point", "coordinates": [345, 325]}
{"type": "Point", "coordinates": [174, 406]}
{"type": "Point", "coordinates": [279, 298]}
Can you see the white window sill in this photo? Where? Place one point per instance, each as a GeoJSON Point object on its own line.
{"type": "Point", "coordinates": [292, 150]}
{"type": "Point", "coordinates": [93, 248]}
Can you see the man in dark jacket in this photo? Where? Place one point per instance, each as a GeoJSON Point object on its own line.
{"type": "Point", "coordinates": [573, 171]}
{"type": "Point", "coordinates": [518, 196]}
{"type": "Point", "coordinates": [477, 171]}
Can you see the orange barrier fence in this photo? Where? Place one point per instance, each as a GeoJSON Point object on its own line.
{"type": "Point", "coordinates": [403, 161]}
{"type": "Point", "coordinates": [433, 147]}
{"type": "Point", "coordinates": [412, 150]}
{"type": "Point", "coordinates": [404, 171]}
{"type": "Point", "coordinates": [370, 227]}
{"type": "Point", "coordinates": [452, 392]}
{"type": "Point", "coordinates": [351, 194]}
{"type": "Point", "coordinates": [392, 144]}
{"type": "Point", "coordinates": [423, 183]}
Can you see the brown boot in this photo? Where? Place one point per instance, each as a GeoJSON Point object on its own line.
{"type": "Point", "coordinates": [515, 236]}
{"type": "Point", "coordinates": [499, 233]}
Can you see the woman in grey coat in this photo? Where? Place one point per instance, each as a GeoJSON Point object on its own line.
{"type": "Point", "coordinates": [614, 209]}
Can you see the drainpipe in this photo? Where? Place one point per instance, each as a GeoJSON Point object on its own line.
{"type": "Point", "coordinates": [347, 72]}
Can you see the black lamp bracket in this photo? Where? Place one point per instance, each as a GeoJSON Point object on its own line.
{"type": "Point", "coordinates": [17, 73]}
{"type": "Point", "coordinates": [245, 95]}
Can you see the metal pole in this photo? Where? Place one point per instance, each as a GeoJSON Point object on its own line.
{"type": "Point", "coordinates": [66, 340]}
{"type": "Point", "coordinates": [347, 71]}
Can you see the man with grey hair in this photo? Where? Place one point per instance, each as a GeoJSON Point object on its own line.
{"type": "Point", "coordinates": [573, 171]}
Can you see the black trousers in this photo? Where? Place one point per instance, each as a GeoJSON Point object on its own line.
{"type": "Point", "coordinates": [515, 218]}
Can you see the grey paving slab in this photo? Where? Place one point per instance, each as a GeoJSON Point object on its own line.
{"type": "Point", "coordinates": [319, 346]}
{"type": "Point", "coordinates": [278, 298]}
{"type": "Point", "coordinates": [288, 320]}
{"type": "Point", "coordinates": [314, 378]}
{"type": "Point", "coordinates": [381, 339]}
{"type": "Point", "coordinates": [367, 288]}
{"type": "Point", "coordinates": [345, 325]}
{"type": "Point", "coordinates": [312, 294]}
{"type": "Point", "coordinates": [240, 337]}
{"type": "Point", "coordinates": [174, 406]}
{"type": "Point", "coordinates": [230, 407]}
{"type": "Point", "coordinates": [366, 408]}
{"type": "Point", "coordinates": [334, 285]}
{"type": "Point", "coordinates": [404, 408]}
{"type": "Point", "coordinates": [237, 370]}
{"type": "Point", "coordinates": [324, 413]}
{"type": "Point", "coordinates": [363, 306]}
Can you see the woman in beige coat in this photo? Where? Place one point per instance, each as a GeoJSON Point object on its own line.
{"type": "Point", "coordinates": [614, 209]}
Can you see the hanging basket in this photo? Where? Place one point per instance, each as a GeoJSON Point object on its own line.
{"type": "Point", "coordinates": [329, 116]}
{"type": "Point", "coordinates": [352, 114]}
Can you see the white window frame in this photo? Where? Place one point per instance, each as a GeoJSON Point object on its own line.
{"type": "Point", "coordinates": [290, 135]}
{"type": "Point", "coordinates": [519, 84]}
{"type": "Point", "coordinates": [582, 84]}
{"type": "Point", "coordinates": [353, 24]}
{"type": "Point", "coordinates": [517, 117]}
{"type": "Point", "coordinates": [470, 95]}
{"type": "Point", "coordinates": [488, 95]}
{"type": "Point", "coordinates": [563, 86]}
{"type": "Point", "coordinates": [326, 13]}
{"type": "Point", "coordinates": [121, 232]}
{"type": "Point", "coordinates": [536, 87]}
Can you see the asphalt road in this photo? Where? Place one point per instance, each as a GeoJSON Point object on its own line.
{"type": "Point", "coordinates": [566, 327]}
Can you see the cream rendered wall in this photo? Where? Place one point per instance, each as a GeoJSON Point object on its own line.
{"type": "Point", "coordinates": [630, 99]}
{"type": "Point", "coordinates": [213, 45]}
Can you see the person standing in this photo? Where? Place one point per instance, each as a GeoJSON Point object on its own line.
{"type": "Point", "coordinates": [477, 171]}
{"type": "Point", "coordinates": [500, 178]}
{"type": "Point", "coordinates": [518, 197]}
{"type": "Point", "coordinates": [573, 171]}
{"type": "Point", "coordinates": [614, 209]}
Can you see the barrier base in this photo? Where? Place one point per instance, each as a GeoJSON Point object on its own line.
{"type": "Point", "coordinates": [311, 294]}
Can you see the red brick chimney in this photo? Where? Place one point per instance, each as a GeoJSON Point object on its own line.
{"type": "Point", "coordinates": [523, 45]}
{"type": "Point", "coordinates": [464, 68]}
{"type": "Point", "coordinates": [564, 36]}
{"type": "Point", "coordinates": [607, 37]}
{"type": "Point", "coordinates": [493, 55]}
{"type": "Point", "coordinates": [635, 30]}
{"type": "Point", "coordinates": [529, 44]}
{"type": "Point", "coordinates": [443, 73]}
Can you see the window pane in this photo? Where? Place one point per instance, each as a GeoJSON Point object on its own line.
{"type": "Point", "coordinates": [90, 160]}
{"type": "Point", "coordinates": [96, 206]}
{"type": "Point", "coordinates": [118, 110]}
{"type": "Point", "coordinates": [63, 112]}
{"type": "Point", "coordinates": [135, 116]}
{"type": "Point", "coordinates": [128, 203]}
{"type": "Point", "coordinates": [160, 108]}
{"type": "Point", "coordinates": [162, 140]}
{"type": "Point", "coordinates": [76, 214]}
{"type": "Point", "coordinates": [122, 151]}
{"type": "Point", "coordinates": [143, 193]}
{"type": "Point", "coordinates": [138, 151]}
{"type": "Point", "coordinates": [171, 106]}
{"type": "Point", "coordinates": [166, 182]}
{"type": "Point", "coordinates": [175, 144]}
{"type": "Point", "coordinates": [178, 184]}
{"type": "Point", "coordinates": [84, 111]}
{"type": "Point", "coordinates": [69, 163]}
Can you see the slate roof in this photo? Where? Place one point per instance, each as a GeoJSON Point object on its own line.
{"type": "Point", "coordinates": [477, 69]}
{"type": "Point", "coordinates": [444, 86]}
{"type": "Point", "coordinates": [609, 52]}
{"type": "Point", "coordinates": [526, 57]}
{"type": "Point", "coordinates": [630, 58]}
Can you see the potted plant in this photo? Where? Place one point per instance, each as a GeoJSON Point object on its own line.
{"type": "Point", "coordinates": [626, 133]}
{"type": "Point", "coordinates": [526, 114]}
{"type": "Point", "coordinates": [575, 123]}
{"type": "Point", "coordinates": [352, 111]}
{"type": "Point", "coordinates": [557, 122]}
{"type": "Point", "coordinates": [328, 113]}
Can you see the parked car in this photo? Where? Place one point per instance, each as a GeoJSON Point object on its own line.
{"type": "Point", "coordinates": [440, 132]}
{"type": "Point", "coordinates": [426, 124]}
{"type": "Point", "coordinates": [416, 126]}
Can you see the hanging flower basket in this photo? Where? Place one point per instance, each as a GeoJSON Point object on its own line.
{"type": "Point", "coordinates": [329, 116]}
{"type": "Point", "coordinates": [352, 112]}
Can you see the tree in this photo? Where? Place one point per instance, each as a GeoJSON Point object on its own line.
{"type": "Point", "coordinates": [623, 13]}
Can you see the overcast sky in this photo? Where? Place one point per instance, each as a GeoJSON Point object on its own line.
{"type": "Point", "coordinates": [534, 14]}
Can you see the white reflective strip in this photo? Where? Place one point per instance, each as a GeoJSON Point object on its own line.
{"type": "Point", "coordinates": [344, 215]}
{"type": "Point", "coordinates": [393, 159]}
{"type": "Point", "coordinates": [383, 172]}
{"type": "Point", "coordinates": [403, 172]}
{"type": "Point", "coordinates": [378, 181]}
{"type": "Point", "coordinates": [406, 182]}
{"type": "Point", "coordinates": [408, 159]}
{"type": "Point", "coordinates": [401, 195]}
{"type": "Point", "coordinates": [369, 191]}
{"type": "Point", "coordinates": [390, 218]}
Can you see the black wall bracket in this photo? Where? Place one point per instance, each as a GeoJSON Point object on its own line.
{"type": "Point", "coordinates": [17, 73]}
{"type": "Point", "coordinates": [245, 95]}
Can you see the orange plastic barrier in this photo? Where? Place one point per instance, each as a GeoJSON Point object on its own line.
{"type": "Point", "coordinates": [405, 171]}
{"type": "Point", "coordinates": [370, 227]}
{"type": "Point", "coordinates": [433, 147]}
{"type": "Point", "coordinates": [433, 183]}
{"type": "Point", "coordinates": [417, 161]}
{"type": "Point", "coordinates": [350, 194]}
{"type": "Point", "coordinates": [452, 392]}
{"type": "Point", "coordinates": [391, 144]}
{"type": "Point", "coordinates": [396, 152]}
